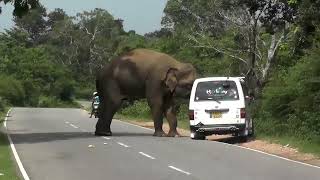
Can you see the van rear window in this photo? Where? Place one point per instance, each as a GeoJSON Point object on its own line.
{"type": "Point", "coordinates": [217, 91]}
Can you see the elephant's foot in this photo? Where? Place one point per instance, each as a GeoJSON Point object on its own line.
{"type": "Point", "coordinates": [103, 133]}
{"type": "Point", "coordinates": [159, 133]}
{"type": "Point", "coordinates": [173, 134]}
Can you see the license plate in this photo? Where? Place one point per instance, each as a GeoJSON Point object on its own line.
{"type": "Point", "coordinates": [216, 115]}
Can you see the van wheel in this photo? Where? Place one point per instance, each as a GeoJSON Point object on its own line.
{"type": "Point", "coordinates": [199, 136]}
{"type": "Point", "coordinates": [242, 136]}
{"type": "Point", "coordinates": [243, 139]}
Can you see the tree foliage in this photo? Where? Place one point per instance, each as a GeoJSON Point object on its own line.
{"type": "Point", "coordinates": [51, 55]}
{"type": "Point", "coordinates": [21, 7]}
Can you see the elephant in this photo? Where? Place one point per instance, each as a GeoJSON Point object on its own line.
{"type": "Point", "coordinates": [143, 73]}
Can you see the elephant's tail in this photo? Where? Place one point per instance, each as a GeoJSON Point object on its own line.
{"type": "Point", "coordinates": [98, 86]}
{"type": "Point", "coordinates": [98, 79]}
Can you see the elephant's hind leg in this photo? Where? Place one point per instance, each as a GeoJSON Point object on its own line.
{"type": "Point", "coordinates": [111, 103]}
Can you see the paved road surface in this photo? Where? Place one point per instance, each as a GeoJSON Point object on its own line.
{"type": "Point", "coordinates": [53, 145]}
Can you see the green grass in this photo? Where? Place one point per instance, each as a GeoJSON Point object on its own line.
{"type": "Point", "coordinates": [52, 102]}
{"type": "Point", "coordinates": [300, 145]}
{"type": "Point", "coordinates": [140, 112]}
{"type": "Point", "coordinates": [7, 166]}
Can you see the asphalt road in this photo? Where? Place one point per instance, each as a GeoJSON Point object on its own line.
{"type": "Point", "coordinates": [54, 144]}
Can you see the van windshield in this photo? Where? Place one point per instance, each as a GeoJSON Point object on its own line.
{"type": "Point", "coordinates": [217, 91]}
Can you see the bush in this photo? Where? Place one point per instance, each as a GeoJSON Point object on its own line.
{"type": "Point", "coordinates": [48, 102]}
{"type": "Point", "coordinates": [12, 90]}
{"type": "Point", "coordinates": [290, 104]}
{"type": "Point", "coordinates": [2, 104]}
{"type": "Point", "coordinates": [32, 92]}
{"type": "Point", "coordinates": [53, 102]}
{"type": "Point", "coordinates": [139, 109]}
{"type": "Point", "coordinates": [64, 89]}
{"type": "Point", "coordinates": [84, 93]}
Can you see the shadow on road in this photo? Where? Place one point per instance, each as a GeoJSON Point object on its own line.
{"type": "Point", "coordinates": [130, 134]}
{"type": "Point", "coordinates": [30, 138]}
{"type": "Point", "coordinates": [230, 139]}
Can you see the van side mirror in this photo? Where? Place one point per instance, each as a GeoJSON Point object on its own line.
{"type": "Point", "coordinates": [248, 98]}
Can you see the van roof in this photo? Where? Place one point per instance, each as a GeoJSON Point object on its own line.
{"type": "Point", "coordinates": [219, 79]}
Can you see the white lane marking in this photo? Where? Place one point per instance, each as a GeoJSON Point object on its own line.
{"type": "Point", "coordinates": [134, 125]}
{"type": "Point", "coordinates": [74, 126]}
{"type": "Point", "coordinates": [146, 155]}
{"type": "Point", "coordinates": [124, 145]}
{"type": "Point", "coordinates": [240, 147]}
{"type": "Point", "coordinates": [283, 158]}
{"type": "Point", "coordinates": [106, 138]}
{"type": "Point", "coordinates": [180, 170]}
{"type": "Point", "coordinates": [14, 151]}
{"type": "Point", "coordinates": [67, 122]}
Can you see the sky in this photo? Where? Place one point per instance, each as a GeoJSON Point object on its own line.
{"type": "Point", "coordinates": [143, 16]}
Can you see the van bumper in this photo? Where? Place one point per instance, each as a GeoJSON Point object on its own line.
{"type": "Point", "coordinates": [218, 128]}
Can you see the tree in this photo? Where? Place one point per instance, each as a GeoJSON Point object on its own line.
{"type": "Point", "coordinates": [250, 32]}
{"type": "Point", "coordinates": [100, 36]}
{"type": "Point", "coordinates": [34, 23]}
{"type": "Point", "coordinates": [21, 7]}
{"type": "Point", "coordinates": [55, 16]}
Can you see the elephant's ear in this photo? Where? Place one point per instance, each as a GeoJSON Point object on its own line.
{"type": "Point", "coordinates": [170, 79]}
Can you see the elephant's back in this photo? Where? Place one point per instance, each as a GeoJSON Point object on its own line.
{"type": "Point", "coordinates": [133, 68]}
{"type": "Point", "coordinates": [150, 60]}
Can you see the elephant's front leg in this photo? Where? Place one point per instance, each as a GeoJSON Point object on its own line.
{"type": "Point", "coordinates": [170, 113]}
{"type": "Point", "coordinates": [157, 116]}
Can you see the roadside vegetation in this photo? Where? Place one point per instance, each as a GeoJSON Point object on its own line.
{"type": "Point", "coordinates": [49, 59]}
{"type": "Point", "coordinates": [7, 167]}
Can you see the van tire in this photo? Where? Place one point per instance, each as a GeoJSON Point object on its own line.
{"type": "Point", "coordinates": [199, 136]}
{"type": "Point", "coordinates": [251, 133]}
{"type": "Point", "coordinates": [243, 139]}
{"type": "Point", "coordinates": [242, 136]}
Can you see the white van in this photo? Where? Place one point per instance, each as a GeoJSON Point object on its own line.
{"type": "Point", "coordinates": [219, 105]}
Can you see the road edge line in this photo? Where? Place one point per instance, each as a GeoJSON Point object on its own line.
{"type": "Point", "coordinates": [14, 151]}
{"type": "Point", "coordinates": [273, 155]}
